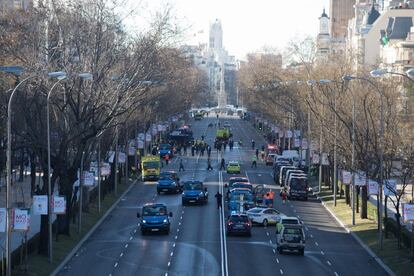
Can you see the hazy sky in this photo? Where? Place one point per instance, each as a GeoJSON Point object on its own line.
{"type": "Point", "coordinates": [248, 25]}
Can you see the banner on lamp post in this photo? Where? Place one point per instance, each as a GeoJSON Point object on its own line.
{"type": "Point", "coordinates": [21, 220]}
{"type": "Point", "coordinates": [148, 137]}
{"type": "Point", "coordinates": [315, 158]}
{"type": "Point", "coordinates": [297, 143]}
{"type": "Point", "coordinates": [3, 216]}
{"type": "Point", "coordinates": [325, 159]}
{"type": "Point", "coordinates": [408, 212]}
{"type": "Point", "coordinates": [141, 136]}
{"type": "Point", "coordinates": [346, 177]}
{"type": "Point", "coordinates": [289, 134]}
{"type": "Point", "coordinates": [304, 143]}
{"type": "Point", "coordinates": [121, 157]}
{"type": "Point", "coordinates": [140, 144]}
{"type": "Point", "coordinates": [373, 187]}
{"type": "Point", "coordinates": [105, 169]}
{"type": "Point", "coordinates": [297, 133]}
{"type": "Point", "coordinates": [39, 206]}
{"type": "Point", "coordinates": [59, 205]}
{"type": "Point", "coordinates": [88, 178]}
{"type": "Point", "coordinates": [390, 187]}
{"type": "Point", "coordinates": [360, 179]}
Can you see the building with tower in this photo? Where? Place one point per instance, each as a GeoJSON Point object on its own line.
{"type": "Point", "coordinates": [341, 12]}
{"type": "Point", "coordinates": [323, 40]}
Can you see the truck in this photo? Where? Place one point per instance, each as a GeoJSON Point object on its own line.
{"type": "Point", "coordinates": [181, 136]}
{"type": "Point", "coordinates": [150, 167]}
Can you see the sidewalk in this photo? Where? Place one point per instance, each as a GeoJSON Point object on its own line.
{"type": "Point", "coordinates": [20, 197]}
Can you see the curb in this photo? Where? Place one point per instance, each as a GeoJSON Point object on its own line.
{"type": "Point", "coordinates": [367, 249]}
{"type": "Point", "coordinates": [97, 224]}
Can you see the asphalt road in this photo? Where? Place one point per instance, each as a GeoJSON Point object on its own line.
{"type": "Point", "coordinates": [197, 244]}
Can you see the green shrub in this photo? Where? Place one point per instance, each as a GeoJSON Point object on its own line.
{"type": "Point", "coordinates": [392, 227]}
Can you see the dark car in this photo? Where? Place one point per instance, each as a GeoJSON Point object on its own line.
{"type": "Point", "coordinates": [169, 182]}
{"type": "Point", "coordinates": [239, 224]}
{"type": "Point", "coordinates": [194, 192]}
{"type": "Point", "coordinates": [154, 218]}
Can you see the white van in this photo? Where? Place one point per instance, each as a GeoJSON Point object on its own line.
{"type": "Point", "coordinates": [293, 155]}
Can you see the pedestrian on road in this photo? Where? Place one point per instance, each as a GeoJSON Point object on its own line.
{"type": "Point", "coordinates": [219, 198]}
{"type": "Point", "coordinates": [284, 196]}
{"type": "Point", "coordinates": [257, 153]}
{"type": "Point", "coordinates": [209, 167]}
{"type": "Point", "coordinates": [192, 150]}
{"type": "Point", "coordinates": [167, 159]}
{"type": "Point", "coordinates": [222, 164]}
{"type": "Point", "coordinates": [254, 161]}
{"type": "Point", "coordinates": [181, 166]}
{"type": "Point", "coordinates": [253, 143]}
{"type": "Point", "coordinates": [37, 191]}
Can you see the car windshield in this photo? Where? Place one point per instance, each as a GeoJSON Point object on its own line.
{"type": "Point", "coordinates": [299, 183]}
{"type": "Point", "coordinates": [233, 164]}
{"type": "Point", "coordinates": [239, 185]}
{"type": "Point", "coordinates": [165, 177]}
{"type": "Point", "coordinates": [237, 180]}
{"type": "Point", "coordinates": [165, 147]}
{"type": "Point", "coordinates": [245, 196]}
{"type": "Point", "coordinates": [290, 221]}
{"type": "Point", "coordinates": [193, 186]}
{"type": "Point", "coordinates": [293, 231]}
{"type": "Point", "coordinates": [154, 210]}
{"type": "Point", "coordinates": [255, 210]}
{"type": "Point", "coordinates": [151, 165]}
{"type": "Point", "coordinates": [239, 219]}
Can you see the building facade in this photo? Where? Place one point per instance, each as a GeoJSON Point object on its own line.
{"type": "Point", "coordinates": [341, 12]}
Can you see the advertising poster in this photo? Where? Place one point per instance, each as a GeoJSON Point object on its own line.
{"type": "Point", "coordinates": [304, 143]}
{"type": "Point", "coordinates": [289, 134]}
{"type": "Point", "coordinates": [141, 136]}
{"type": "Point", "coordinates": [360, 179]}
{"type": "Point", "coordinates": [21, 220]}
{"type": "Point", "coordinates": [372, 187]}
{"type": "Point", "coordinates": [346, 177]}
{"type": "Point", "coordinates": [105, 169]}
{"type": "Point", "coordinates": [148, 137]}
{"type": "Point", "coordinates": [296, 132]}
{"type": "Point", "coordinates": [3, 220]}
{"type": "Point", "coordinates": [88, 178]}
{"type": "Point", "coordinates": [39, 206]}
{"type": "Point", "coordinates": [315, 158]}
{"type": "Point", "coordinates": [59, 205]}
{"type": "Point", "coordinates": [408, 212]}
{"type": "Point", "coordinates": [297, 143]}
{"type": "Point", "coordinates": [121, 157]}
{"type": "Point", "coordinates": [390, 186]}
{"type": "Point", "coordinates": [325, 159]}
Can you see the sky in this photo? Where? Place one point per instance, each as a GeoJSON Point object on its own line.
{"type": "Point", "coordinates": [248, 25]}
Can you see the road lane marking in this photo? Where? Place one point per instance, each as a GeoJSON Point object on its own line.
{"type": "Point", "coordinates": [323, 253]}
{"type": "Point", "coordinates": [169, 263]}
{"type": "Point", "coordinates": [329, 263]}
{"type": "Point", "coordinates": [173, 244]}
{"type": "Point", "coordinates": [316, 243]}
{"type": "Point", "coordinates": [311, 236]}
{"type": "Point", "coordinates": [116, 264]}
{"type": "Point", "coordinates": [126, 245]}
{"type": "Point", "coordinates": [336, 274]}
{"type": "Point", "coordinates": [277, 260]}
{"type": "Point", "coordinates": [223, 241]}
{"type": "Point", "coordinates": [267, 233]}
{"type": "Point", "coordinates": [176, 237]}
{"type": "Point", "coordinates": [120, 255]}
{"type": "Point", "coordinates": [306, 228]}
{"type": "Point", "coordinates": [130, 238]}
{"type": "Point", "coordinates": [171, 254]}
{"type": "Point", "coordinates": [274, 251]}
{"type": "Point", "coordinates": [281, 271]}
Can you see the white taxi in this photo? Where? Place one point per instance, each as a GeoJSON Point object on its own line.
{"type": "Point", "coordinates": [264, 215]}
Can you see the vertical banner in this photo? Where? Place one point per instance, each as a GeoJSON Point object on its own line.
{"type": "Point", "coordinates": [39, 206]}
{"type": "Point", "coordinates": [141, 136]}
{"type": "Point", "coordinates": [390, 187]}
{"type": "Point", "coordinates": [131, 148]}
{"type": "Point", "coordinates": [121, 157]}
{"type": "Point", "coordinates": [297, 133]}
{"type": "Point", "coordinates": [346, 177]}
{"type": "Point", "coordinates": [21, 220]}
{"type": "Point", "coordinates": [315, 158]}
{"type": "Point", "coordinates": [304, 143]}
{"type": "Point", "coordinates": [360, 179]}
{"type": "Point", "coordinates": [325, 159]}
{"type": "Point", "coordinates": [297, 143]}
{"type": "Point", "coordinates": [289, 134]}
{"type": "Point", "coordinates": [372, 187]}
{"type": "Point", "coordinates": [3, 216]}
{"type": "Point", "coordinates": [148, 137]}
{"type": "Point", "coordinates": [88, 178]}
{"type": "Point", "coordinates": [140, 144]}
{"type": "Point", "coordinates": [105, 169]}
{"type": "Point", "coordinates": [59, 205]}
{"type": "Point", "coordinates": [408, 212]}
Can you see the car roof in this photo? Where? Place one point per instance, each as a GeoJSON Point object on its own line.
{"type": "Point", "coordinates": [240, 190]}
{"type": "Point", "coordinates": [238, 178]}
{"type": "Point", "coordinates": [192, 181]}
{"type": "Point", "coordinates": [289, 218]}
{"type": "Point", "coordinates": [168, 172]}
{"type": "Point", "coordinates": [234, 162]}
{"type": "Point", "coordinates": [154, 204]}
{"type": "Point", "coordinates": [237, 215]}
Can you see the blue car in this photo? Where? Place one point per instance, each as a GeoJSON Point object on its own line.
{"type": "Point", "coordinates": [165, 149]}
{"type": "Point", "coordinates": [154, 218]}
{"type": "Point", "coordinates": [169, 182]}
{"type": "Point", "coordinates": [240, 197]}
{"type": "Point", "coordinates": [194, 192]}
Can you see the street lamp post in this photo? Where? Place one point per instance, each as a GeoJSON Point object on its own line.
{"type": "Point", "coordinates": [61, 76]}
{"type": "Point", "coordinates": [381, 184]}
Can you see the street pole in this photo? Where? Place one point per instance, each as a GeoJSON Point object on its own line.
{"type": "Point", "coordinates": [353, 161]}
{"type": "Point", "coordinates": [320, 151]}
{"type": "Point", "coordinates": [335, 154]}
{"type": "Point", "coordinates": [116, 160]}
{"type": "Point", "coordinates": [80, 192]}
{"type": "Point", "coordinates": [126, 156]}
{"type": "Point", "coordinates": [381, 170]}
{"type": "Point", "coordinates": [309, 136]}
{"type": "Point", "coordinates": [49, 177]}
{"type": "Point", "coordinates": [8, 183]}
{"type": "Point", "coordinates": [99, 175]}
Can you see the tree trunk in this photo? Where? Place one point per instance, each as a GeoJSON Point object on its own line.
{"type": "Point", "coordinates": [347, 195]}
{"type": "Point", "coordinates": [385, 217]}
{"type": "Point", "coordinates": [397, 218]}
{"type": "Point", "coordinates": [32, 174]}
{"type": "Point", "coordinates": [357, 199]}
{"type": "Point", "coordinates": [21, 172]}
{"type": "Point", "coordinates": [44, 229]}
{"type": "Point", "coordinates": [364, 202]}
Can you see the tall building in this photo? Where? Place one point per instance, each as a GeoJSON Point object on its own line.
{"type": "Point", "coordinates": [216, 36]}
{"type": "Point", "coordinates": [341, 12]}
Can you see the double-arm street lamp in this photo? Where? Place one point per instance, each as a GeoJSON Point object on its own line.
{"type": "Point", "coordinates": [16, 71]}
{"type": "Point", "coordinates": [380, 207]}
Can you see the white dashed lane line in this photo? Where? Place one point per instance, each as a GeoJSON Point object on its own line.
{"type": "Point", "coordinates": [116, 264]}
{"type": "Point", "coordinates": [281, 271]}
{"type": "Point", "coordinates": [277, 260]}
{"type": "Point", "coordinates": [323, 253]}
{"type": "Point", "coordinates": [316, 243]}
{"type": "Point", "coordinates": [329, 263]}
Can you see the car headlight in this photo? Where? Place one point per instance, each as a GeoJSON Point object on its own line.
{"type": "Point", "coordinates": [183, 193]}
{"type": "Point", "coordinates": [201, 194]}
{"type": "Point", "coordinates": [165, 220]}
{"type": "Point", "coordinates": [144, 221]}
{"type": "Point", "coordinates": [173, 184]}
